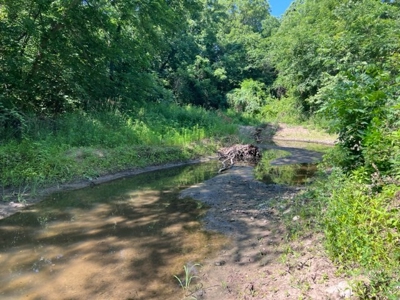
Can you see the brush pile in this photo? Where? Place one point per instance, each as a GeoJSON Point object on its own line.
{"type": "Point", "coordinates": [244, 153]}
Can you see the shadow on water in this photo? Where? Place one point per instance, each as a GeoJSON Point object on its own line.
{"type": "Point", "coordinates": [121, 240]}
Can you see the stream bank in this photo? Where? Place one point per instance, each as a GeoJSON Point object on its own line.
{"type": "Point", "coordinates": [260, 262]}
{"type": "Point", "coordinates": [18, 199]}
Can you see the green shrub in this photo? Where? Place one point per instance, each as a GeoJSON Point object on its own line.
{"type": "Point", "coordinates": [249, 98]}
{"type": "Point", "coordinates": [285, 110]}
{"type": "Point", "coordinates": [362, 224]}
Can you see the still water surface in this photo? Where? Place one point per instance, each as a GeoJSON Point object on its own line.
{"type": "Point", "coordinates": [293, 174]}
{"type": "Point", "coordinates": [121, 240]}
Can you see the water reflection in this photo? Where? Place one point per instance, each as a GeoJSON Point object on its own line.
{"type": "Point", "coordinates": [295, 174]}
{"type": "Point", "coordinates": [121, 240]}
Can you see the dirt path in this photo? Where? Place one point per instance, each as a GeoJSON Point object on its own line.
{"type": "Point", "coordinates": [260, 263]}
{"type": "Point", "coordinates": [292, 139]}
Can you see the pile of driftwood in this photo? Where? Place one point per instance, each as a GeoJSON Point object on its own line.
{"type": "Point", "coordinates": [229, 155]}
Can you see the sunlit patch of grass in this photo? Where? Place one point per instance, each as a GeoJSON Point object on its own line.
{"type": "Point", "coordinates": [78, 145]}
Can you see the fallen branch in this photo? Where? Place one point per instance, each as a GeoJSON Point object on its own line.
{"type": "Point", "coordinates": [238, 152]}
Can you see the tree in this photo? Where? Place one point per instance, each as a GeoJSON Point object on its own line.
{"type": "Point", "coordinates": [225, 44]}
{"type": "Point", "coordinates": [62, 55]}
{"type": "Point", "coordinates": [344, 65]}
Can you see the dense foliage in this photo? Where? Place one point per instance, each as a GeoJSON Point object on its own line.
{"type": "Point", "coordinates": [339, 59]}
{"type": "Point", "coordinates": [223, 45]}
{"type": "Point", "coordinates": [345, 67]}
{"type": "Point", "coordinates": [61, 55]}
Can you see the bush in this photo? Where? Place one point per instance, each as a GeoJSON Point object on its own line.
{"type": "Point", "coordinates": [362, 223]}
{"type": "Point", "coordinates": [249, 98]}
{"type": "Point", "coordinates": [284, 110]}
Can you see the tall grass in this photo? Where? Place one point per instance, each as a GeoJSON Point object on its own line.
{"type": "Point", "coordinates": [88, 144]}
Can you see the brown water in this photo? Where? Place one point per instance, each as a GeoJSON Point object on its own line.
{"type": "Point", "coordinates": [122, 240]}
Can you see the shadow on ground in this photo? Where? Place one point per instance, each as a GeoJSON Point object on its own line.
{"type": "Point", "coordinates": [121, 240]}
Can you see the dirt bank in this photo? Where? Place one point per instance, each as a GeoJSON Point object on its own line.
{"type": "Point", "coordinates": [260, 263]}
{"type": "Point", "coordinates": [23, 199]}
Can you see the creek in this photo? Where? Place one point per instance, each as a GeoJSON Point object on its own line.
{"type": "Point", "coordinates": [125, 239]}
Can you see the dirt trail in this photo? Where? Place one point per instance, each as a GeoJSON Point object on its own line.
{"type": "Point", "coordinates": [260, 263]}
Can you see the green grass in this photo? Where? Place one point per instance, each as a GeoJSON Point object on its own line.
{"type": "Point", "coordinates": [190, 270]}
{"type": "Point", "coordinates": [80, 145]}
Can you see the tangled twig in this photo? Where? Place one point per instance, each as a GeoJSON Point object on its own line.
{"type": "Point", "coordinates": [229, 155]}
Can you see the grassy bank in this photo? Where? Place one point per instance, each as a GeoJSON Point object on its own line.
{"type": "Point", "coordinates": [358, 222]}
{"type": "Point", "coordinates": [78, 145]}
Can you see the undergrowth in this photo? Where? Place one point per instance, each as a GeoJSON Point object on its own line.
{"type": "Point", "coordinates": [284, 110]}
{"type": "Point", "coordinates": [360, 219]}
{"type": "Point", "coordinates": [81, 145]}
{"type": "Point", "coordinates": [362, 232]}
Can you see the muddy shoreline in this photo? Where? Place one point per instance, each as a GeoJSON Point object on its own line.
{"type": "Point", "coordinates": [260, 262]}
{"type": "Point", "coordinates": [12, 200]}
{"type": "Point", "coordinates": [13, 205]}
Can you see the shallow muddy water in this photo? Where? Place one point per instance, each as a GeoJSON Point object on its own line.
{"type": "Point", "coordinates": [125, 239]}
{"type": "Point", "coordinates": [121, 240]}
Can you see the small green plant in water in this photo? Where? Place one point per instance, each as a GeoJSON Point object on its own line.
{"type": "Point", "coordinates": [21, 194]}
{"type": "Point", "coordinates": [43, 220]}
{"type": "Point", "coordinates": [189, 276]}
